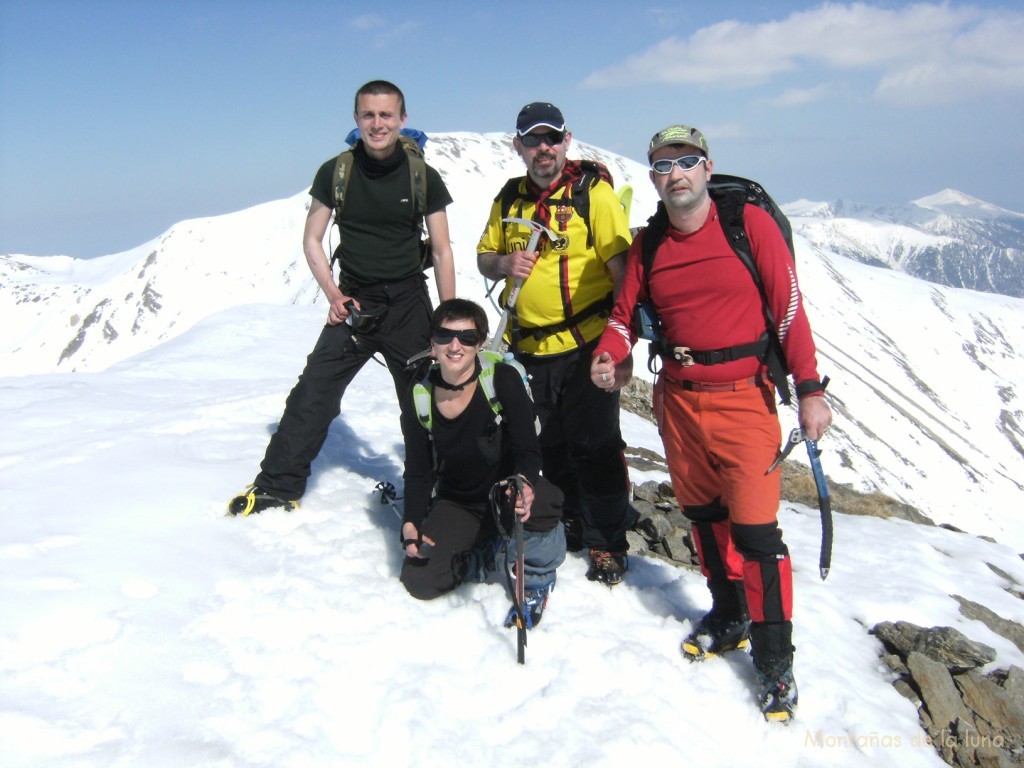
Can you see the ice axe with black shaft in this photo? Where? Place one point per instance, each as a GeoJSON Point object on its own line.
{"type": "Point", "coordinates": [538, 230]}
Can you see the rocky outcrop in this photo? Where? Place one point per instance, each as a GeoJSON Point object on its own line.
{"type": "Point", "coordinates": [972, 719]}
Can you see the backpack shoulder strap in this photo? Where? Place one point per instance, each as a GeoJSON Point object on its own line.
{"type": "Point", "coordinates": [593, 172]}
{"type": "Point", "coordinates": [422, 390]}
{"type": "Point", "coordinates": [488, 358]}
{"type": "Point", "coordinates": [422, 398]}
{"type": "Point", "coordinates": [417, 175]}
{"type": "Point", "coordinates": [651, 236]}
{"type": "Point", "coordinates": [342, 175]}
{"type": "Point", "coordinates": [730, 201]}
{"type": "Point", "coordinates": [508, 195]}
{"type": "Point", "coordinates": [730, 205]}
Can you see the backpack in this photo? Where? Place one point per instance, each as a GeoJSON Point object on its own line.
{"type": "Point", "coordinates": [593, 172]}
{"type": "Point", "coordinates": [730, 194]}
{"type": "Point", "coordinates": [412, 142]}
{"type": "Point", "coordinates": [422, 391]}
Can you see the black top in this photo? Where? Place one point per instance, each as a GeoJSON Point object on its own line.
{"type": "Point", "coordinates": [475, 449]}
{"type": "Point", "coordinates": [381, 240]}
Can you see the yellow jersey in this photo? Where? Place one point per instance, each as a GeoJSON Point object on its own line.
{"type": "Point", "coordinates": [570, 276]}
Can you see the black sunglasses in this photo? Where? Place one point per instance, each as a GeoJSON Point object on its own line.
{"type": "Point", "coordinates": [365, 321]}
{"type": "Point", "coordinates": [469, 337]}
{"type": "Point", "coordinates": [533, 140]}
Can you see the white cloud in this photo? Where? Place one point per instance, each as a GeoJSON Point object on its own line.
{"type": "Point", "coordinates": [383, 32]}
{"type": "Point", "coordinates": [923, 53]}
{"type": "Point", "coordinates": [797, 96]}
{"type": "Point", "coordinates": [368, 22]}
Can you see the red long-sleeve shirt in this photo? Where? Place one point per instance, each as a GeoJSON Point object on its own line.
{"type": "Point", "coordinates": [707, 299]}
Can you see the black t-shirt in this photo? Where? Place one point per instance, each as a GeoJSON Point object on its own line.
{"type": "Point", "coordinates": [380, 237]}
{"type": "Point", "coordinates": [475, 450]}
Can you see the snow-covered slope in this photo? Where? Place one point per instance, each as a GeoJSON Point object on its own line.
{"type": "Point", "coordinates": [142, 626]}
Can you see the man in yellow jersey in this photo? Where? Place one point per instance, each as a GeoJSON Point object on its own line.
{"type": "Point", "coordinates": [568, 286]}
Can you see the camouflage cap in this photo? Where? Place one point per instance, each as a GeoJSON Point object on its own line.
{"type": "Point", "coordinates": [678, 134]}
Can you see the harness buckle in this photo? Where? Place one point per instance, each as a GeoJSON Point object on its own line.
{"type": "Point", "coordinates": [682, 355]}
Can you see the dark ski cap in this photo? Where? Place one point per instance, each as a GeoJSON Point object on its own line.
{"type": "Point", "coordinates": [539, 114]}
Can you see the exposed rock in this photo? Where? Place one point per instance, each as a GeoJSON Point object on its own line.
{"type": "Point", "coordinates": [938, 692]}
{"type": "Point", "coordinates": [996, 705]}
{"type": "Point", "coordinates": [660, 529]}
{"type": "Point", "coordinates": [945, 645]}
{"type": "Point", "coordinates": [971, 719]}
{"type": "Point", "coordinates": [1011, 630]}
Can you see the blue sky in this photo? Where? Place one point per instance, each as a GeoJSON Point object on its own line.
{"type": "Point", "coordinates": [120, 119]}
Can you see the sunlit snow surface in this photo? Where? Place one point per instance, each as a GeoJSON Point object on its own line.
{"type": "Point", "coordinates": [142, 626]}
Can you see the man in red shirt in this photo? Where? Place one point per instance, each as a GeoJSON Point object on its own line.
{"type": "Point", "coordinates": [718, 420]}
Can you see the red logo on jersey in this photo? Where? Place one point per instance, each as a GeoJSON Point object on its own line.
{"type": "Point", "coordinates": [562, 215]}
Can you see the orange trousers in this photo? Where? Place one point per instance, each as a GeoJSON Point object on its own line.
{"type": "Point", "coordinates": [718, 446]}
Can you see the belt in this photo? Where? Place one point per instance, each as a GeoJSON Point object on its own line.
{"type": "Point", "coordinates": [687, 357]}
{"type": "Point", "coordinates": [721, 386]}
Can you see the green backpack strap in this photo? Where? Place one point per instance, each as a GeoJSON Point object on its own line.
{"type": "Point", "coordinates": [422, 400]}
{"type": "Point", "coordinates": [417, 177]}
{"type": "Point", "coordinates": [342, 176]}
{"type": "Point", "coordinates": [422, 391]}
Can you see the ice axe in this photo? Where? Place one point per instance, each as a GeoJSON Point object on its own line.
{"type": "Point", "coordinates": [796, 437]}
{"type": "Point", "coordinates": [538, 230]}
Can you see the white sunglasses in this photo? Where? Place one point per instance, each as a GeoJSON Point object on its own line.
{"type": "Point", "coordinates": [685, 163]}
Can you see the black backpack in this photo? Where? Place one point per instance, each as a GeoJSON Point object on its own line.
{"type": "Point", "coordinates": [593, 172]}
{"type": "Point", "coordinates": [730, 194]}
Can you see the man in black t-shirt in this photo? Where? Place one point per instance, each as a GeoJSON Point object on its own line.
{"type": "Point", "coordinates": [381, 280]}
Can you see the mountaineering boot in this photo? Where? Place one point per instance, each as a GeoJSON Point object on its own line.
{"type": "Point", "coordinates": [533, 606]}
{"type": "Point", "coordinates": [712, 636]}
{"type": "Point", "coordinates": [255, 500]}
{"type": "Point", "coordinates": [607, 567]}
{"type": "Point", "coordinates": [481, 560]}
{"type": "Point", "coordinates": [777, 696]}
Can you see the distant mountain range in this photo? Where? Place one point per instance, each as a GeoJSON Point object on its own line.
{"type": "Point", "coordinates": [925, 377]}
{"type": "Point", "coordinates": [949, 238]}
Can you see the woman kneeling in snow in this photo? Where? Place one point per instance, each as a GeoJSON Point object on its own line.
{"type": "Point", "coordinates": [477, 429]}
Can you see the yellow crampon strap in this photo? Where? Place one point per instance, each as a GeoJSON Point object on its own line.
{"type": "Point", "coordinates": [249, 498]}
{"type": "Point", "coordinates": [250, 502]}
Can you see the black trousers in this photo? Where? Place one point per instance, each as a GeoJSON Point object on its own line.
{"type": "Point", "coordinates": [581, 445]}
{"type": "Point", "coordinates": [338, 356]}
{"type": "Point", "coordinates": [458, 527]}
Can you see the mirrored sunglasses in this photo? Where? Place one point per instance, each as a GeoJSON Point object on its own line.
{"type": "Point", "coordinates": [469, 337]}
{"type": "Point", "coordinates": [533, 140]}
{"type": "Point", "coordinates": [686, 163]}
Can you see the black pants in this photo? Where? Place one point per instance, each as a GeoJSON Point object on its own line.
{"type": "Point", "coordinates": [581, 445]}
{"type": "Point", "coordinates": [338, 356]}
{"type": "Point", "coordinates": [456, 528]}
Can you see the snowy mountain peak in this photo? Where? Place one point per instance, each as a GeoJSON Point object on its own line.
{"type": "Point", "coordinates": [955, 202]}
{"type": "Point", "coordinates": [904, 425]}
{"type": "Point", "coordinates": [949, 238]}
